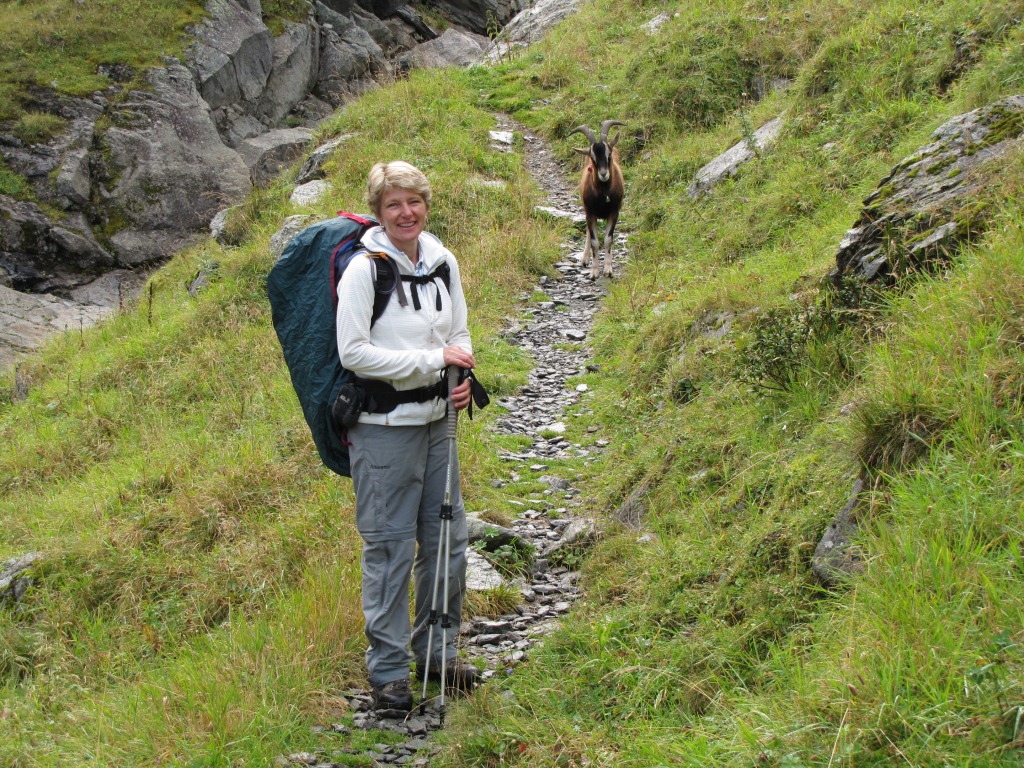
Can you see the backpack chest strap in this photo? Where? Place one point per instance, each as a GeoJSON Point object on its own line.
{"type": "Point", "coordinates": [418, 280]}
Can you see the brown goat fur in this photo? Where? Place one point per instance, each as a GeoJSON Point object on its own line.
{"type": "Point", "coordinates": [602, 189]}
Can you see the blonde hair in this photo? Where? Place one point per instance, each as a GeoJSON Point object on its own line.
{"type": "Point", "coordinates": [397, 174]}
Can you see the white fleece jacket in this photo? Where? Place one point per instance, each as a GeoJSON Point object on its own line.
{"type": "Point", "coordinates": [405, 347]}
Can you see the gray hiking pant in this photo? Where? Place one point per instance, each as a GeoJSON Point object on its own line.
{"type": "Point", "coordinates": [399, 476]}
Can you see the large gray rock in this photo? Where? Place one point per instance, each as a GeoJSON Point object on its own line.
{"type": "Point", "coordinates": [162, 168]}
{"type": "Point", "coordinates": [729, 162]}
{"type": "Point", "coordinates": [232, 55]}
{"type": "Point", "coordinates": [296, 63]}
{"type": "Point", "coordinates": [58, 168]}
{"type": "Point", "coordinates": [493, 536]}
{"type": "Point", "coordinates": [375, 28]}
{"type": "Point", "coordinates": [74, 181]}
{"type": "Point", "coordinates": [452, 49]}
{"type": "Point", "coordinates": [380, 8]}
{"type": "Point", "coordinates": [478, 16]}
{"type": "Point", "coordinates": [531, 24]}
{"type": "Point", "coordinates": [291, 227]}
{"type": "Point", "coordinates": [347, 64]}
{"type": "Point", "coordinates": [933, 201]}
{"type": "Point", "coordinates": [270, 153]}
{"type": "Point", "coordinates": [312, 168]}
{"type": "Point", "coordinates": [37, 255]}
{"type": "Point", "coordinates": [27, 320]}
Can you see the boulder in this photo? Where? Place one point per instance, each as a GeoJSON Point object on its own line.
{"type": "Point", "coordinates": [417, 27]}
{"type": "Point", "coordinates": [375, 28]}
{"type": "Point", "coordinates": [493, 536]}
{"type": "Point", "coordinates": [837, 558]}
{"type": "Point", "coordinates": [296, 63]}
{"type": "Point", "coordinates": [219, 224]}
{"type": "Point", "coordinates": [729, 162]}
{"type": "Point", "coordinates": [232, 55]}
{"type": "Point", "coordinates": [58, 169]}
{"type": "Point", "coordinates": [235, 125]}
{"type": "Point", "coordinates": [452, 49]}
{"type": "Point", "coordinates": [111, 290]}
{"type": "Point", "coordinates": [162, 169]}
{"type": "Point", "coordinates": [73, 179]}
{"type": "Point", "coordinates": [291, 227]}
{"type": "Point", "coordinates": [347, 63]}
{"type": "Point", "coordinates": [312, 168]}
{"type": "Point", "coordinates": [37, 255]}
{"type": "Point", "coordinates": [932, 202]}
{"type": "Point", "coordinates": [310, 193]}
{"type": "Point", "coordinates": [14, 576]}
{"type": "Point", "coordinates": [530, 24]}
{"type": "Point", "coordinates": [27, 320]}
{"type": "Point", "coordinates": [480, 16]}
{"type": "Point", "coordinates": [270, 153]}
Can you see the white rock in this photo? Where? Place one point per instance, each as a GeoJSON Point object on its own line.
{"type": "Point", "coordinates": [310, 193]}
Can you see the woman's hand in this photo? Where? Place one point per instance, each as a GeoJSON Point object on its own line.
{"type": "Point", "coordinates": [458, 356]}
{"type": "Point", "coordinates": [462, 395]}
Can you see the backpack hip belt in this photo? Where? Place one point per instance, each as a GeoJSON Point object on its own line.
{"type": "Point", "coordinates": [381, 397]}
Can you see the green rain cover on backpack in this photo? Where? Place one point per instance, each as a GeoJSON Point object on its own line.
{"type": "Point", "coordinates": [302, 287]}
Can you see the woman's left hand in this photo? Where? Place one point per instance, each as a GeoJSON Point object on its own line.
{"type": "Point", "coordinates": [462, 395]}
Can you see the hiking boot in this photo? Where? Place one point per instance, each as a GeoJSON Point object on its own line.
{"type": "Point", "coordinates": [459, 676]}
{"type": "Point", "coordinates": [393, 695]}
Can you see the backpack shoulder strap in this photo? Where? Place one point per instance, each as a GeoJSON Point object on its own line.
{"type": "Point", "coordinates": [385, 277]}
{"type": "Point", "coordinates": [445, 273]}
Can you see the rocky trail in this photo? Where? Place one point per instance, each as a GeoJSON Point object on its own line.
{"type": "Point", "coordinates": [554, 333]}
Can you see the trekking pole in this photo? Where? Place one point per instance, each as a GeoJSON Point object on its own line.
{"type": "Point", "coordinates": [443, 554]}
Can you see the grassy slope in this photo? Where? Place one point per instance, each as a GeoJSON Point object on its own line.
{"type": "Point", "coordinates": [201, 577]}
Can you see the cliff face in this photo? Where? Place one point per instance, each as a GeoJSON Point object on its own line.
{"type": "Point", "coordinates": [141, 173]}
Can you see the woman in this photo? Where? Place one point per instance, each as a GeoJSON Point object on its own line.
{"type": "Point", "coordinates": [400, 458]}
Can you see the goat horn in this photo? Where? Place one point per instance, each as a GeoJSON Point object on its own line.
{"type": "Point", "coordinates": [585, 130]}
{"type": "Point", "coordinates": [606, 125]}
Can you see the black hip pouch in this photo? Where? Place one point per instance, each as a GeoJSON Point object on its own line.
{"type": "Point", "coordinates": [347, 405]}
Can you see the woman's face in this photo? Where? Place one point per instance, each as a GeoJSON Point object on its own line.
{"type": "Point", "coordinates": [403, 214]}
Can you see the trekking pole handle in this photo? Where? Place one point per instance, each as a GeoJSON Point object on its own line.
{"type": "Point", "coordinates": [454, 374]}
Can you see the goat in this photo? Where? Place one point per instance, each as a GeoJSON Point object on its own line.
{"type": "Point", "coordinates": [601, 191]}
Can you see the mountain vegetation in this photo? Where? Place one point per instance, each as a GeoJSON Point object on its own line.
{"type": "Point", "coordinates": [197, 599]}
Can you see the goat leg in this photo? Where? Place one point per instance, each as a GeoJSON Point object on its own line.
{"type": "Point", "coordinates": [609, 237]}
{"type": "Point", "coordinates": [590, 247]}
{"type": "Point", "coordinates": [595, 253]}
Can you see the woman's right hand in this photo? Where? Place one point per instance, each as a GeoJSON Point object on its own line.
{"type": "Point", "coordinates": [458, 356]}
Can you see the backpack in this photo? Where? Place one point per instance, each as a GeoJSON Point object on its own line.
{"type": "Point", "coordinates": [303, 291]}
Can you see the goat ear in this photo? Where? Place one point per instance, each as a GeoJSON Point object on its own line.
{"type": "Point", "coordinates": [615, 139]}
{"type": "Point", "coordinates": [584, 152]}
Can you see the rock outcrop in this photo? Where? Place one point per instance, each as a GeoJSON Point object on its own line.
{"type": "Point", "coordinates": [729, 162]}
{"type": "Point", "coordinates": [142, 172]}
{"type": "Point", "coordinates": [837, 558]}
{"type": "Point", "coordinates": [932, 202]}
{"type": "Point", "coordinates": [162, 169]}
